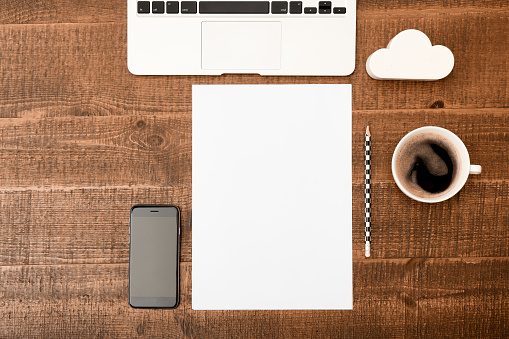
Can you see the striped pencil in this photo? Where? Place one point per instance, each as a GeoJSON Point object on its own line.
{"type": "Point", "coordinates": [367, 193]}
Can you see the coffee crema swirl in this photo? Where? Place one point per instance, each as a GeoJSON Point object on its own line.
{"type": "Point", "coordinates": [427, 165]}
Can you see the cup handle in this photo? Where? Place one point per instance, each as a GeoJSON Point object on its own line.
{"type": "Point", "coordinates": [475, 169]}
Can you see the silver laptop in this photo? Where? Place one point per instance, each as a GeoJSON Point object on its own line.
{"type": "Point", "coordinates": [305, 37]}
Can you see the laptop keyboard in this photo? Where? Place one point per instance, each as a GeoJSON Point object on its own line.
{"type": "Point", "coordinates": [236, 7]}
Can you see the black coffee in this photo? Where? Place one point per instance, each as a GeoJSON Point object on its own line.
{"type": "Point", "coordinates": [427, 165]}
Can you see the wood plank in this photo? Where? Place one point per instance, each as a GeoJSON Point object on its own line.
{"type": "Point", "coordinates": [62, 226]}
{"type": "Point", "coordinates": [459, 298]}
{"type": "Point", "coordinates": [473, 81]}
{"type": "Point", "coordinates": [99, 11]}
{"type": "Point", "coordinates": [392, 299]}
{"type": "Point", "coordinates": [430, 6]}
{"type": "Point", "coordinates": [485, 133]}
{"type": "Point", "coordinates": [77, 301]}
{"type": "Point", "coordinates": [80, 69]}
{"type": "Point", "coordinates": [471, 224]}
{"type": "Point", "coordinates": [156, 150]}
{"type": "Point", "coordinates": [58, 226]}
{"type": "Point", "coordinates": [62, 11]}
{"type": "Point", "coordinates": [94, 169]}
{"type": "Point", "coordinates": [95, 152]}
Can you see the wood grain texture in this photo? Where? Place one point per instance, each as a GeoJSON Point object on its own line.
{"type": "Point", "coordinates": [155, 150]}
{"type": "Point", "coordinates": [75, 226]}
{"type": "Point", "coordinates": [62, 11]}
{"type": "Point", "coordinates": [82, 152]}
{"type": "Point", "coordinates": [70, 161]}
{"type": "Point", "coordinates": [80, 69]}
{"type": "Point", "coordinates": [82, 140]}
{"type": "Point", "coordinates": [392, 299]}
{"type": "Point", "coordinates": [76, 301]}
{"type": "Point", "coordinates": [65, 226]}
{"type": "Point", "coordinates": [485, 133]}
{"type": "Point", "coordinates": [100, 11]}
{"type": "Point", "coordinates": [96, 152]}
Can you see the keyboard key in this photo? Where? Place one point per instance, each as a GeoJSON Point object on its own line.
{"type": "Point", "coordinates": [234, 7]}
{"type": "Point", "coordinates": [339, 10]}
{"type": "Point", "coordinates": [172, 7]}
{"type": "Point", "coordinates": [310, 10]}
{"type": "Point", "coordinates": [188, 7]}
{"type": "Point", "coordinates": [324, 7]}
{"type": "Point", "coordinates": [279, 7]}
{"type": "Point", "coordinates": [143, 7]}
{"type": "Point", "coordinates": [158, 7]}
{"type": "Point", "coordinates": [295, 7]}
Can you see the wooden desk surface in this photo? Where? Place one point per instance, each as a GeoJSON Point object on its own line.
{"type": "Point", "coordinates": [82, 140]}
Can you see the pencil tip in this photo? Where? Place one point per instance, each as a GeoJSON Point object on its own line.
{"type": "Point", "coordinates": [368, 133]}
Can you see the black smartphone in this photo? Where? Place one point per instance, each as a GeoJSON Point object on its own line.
{"type": "Point", "coordinates": [154, 255]}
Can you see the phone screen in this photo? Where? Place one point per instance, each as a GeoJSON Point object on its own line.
{"type": "Point", "coordinates": [153, 256]}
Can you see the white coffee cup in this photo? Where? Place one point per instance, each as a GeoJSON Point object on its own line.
{"type": "Point", "coordinates": [465, 168]}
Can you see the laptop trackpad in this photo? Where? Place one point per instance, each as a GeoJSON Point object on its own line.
{"type": "Point", "coordinates": [241, 45]}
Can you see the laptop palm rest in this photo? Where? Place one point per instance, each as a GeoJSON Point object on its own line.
{"type": "Point", "coordinates": [240, 46]}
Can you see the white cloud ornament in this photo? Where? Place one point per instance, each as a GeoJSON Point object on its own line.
{"type": "Point", "coordinates": [410, 56]}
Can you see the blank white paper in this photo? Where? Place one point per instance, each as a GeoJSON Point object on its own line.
{"type": "Point", "coordinates": [272, 197]}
